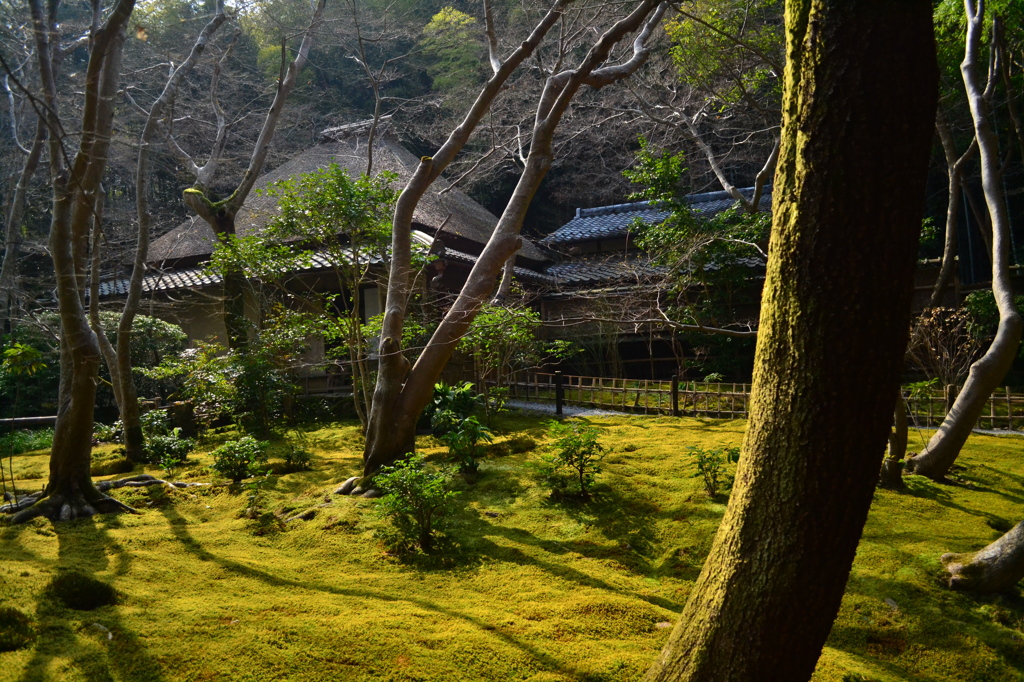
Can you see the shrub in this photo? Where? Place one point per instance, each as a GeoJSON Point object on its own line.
{"type": "Point", "coordinates": [710, 464]}
{"type": "Point", "coordinates": [15, 629]}
{"type": "Point", "coordinates": [463, 442]}
{"type": "Point", "coordinates": [415, 500]}
{"type": "Point", "coordinates": [155, 423]}
{"type": "Point", "coordinates": [169, 451]}
{"type": "Point", "coordinates": [101, 433]}
{"type": "Point", "coordinates": [297, 458]}
{"type": "Point", "coordinates": [238, 459]}
{"type": "Point", "coordinates": [81, 592]}
{"type": "Point", "coordinates": [451, 404]}
{"type": "Point", "coordinates": [576, 457]}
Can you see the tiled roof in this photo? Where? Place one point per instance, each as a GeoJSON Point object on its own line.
{"type": "Point", "coordinates": [606, 270]}
{"type": "Point", "coordinates": [606, 222]}
{"type": "Point", "coordinates": [199, 277]}
{"type": "Point", "coordinates": [523, 273]}
{"type": "Point", "coordinates": [602, 270]}
{"type": "Point", "coordinates": [190, 278]}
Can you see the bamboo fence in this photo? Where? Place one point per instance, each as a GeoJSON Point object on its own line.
{"type": "Point", "coordinates": [1005, 410]}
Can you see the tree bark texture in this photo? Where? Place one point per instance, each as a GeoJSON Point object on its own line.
{"type": "Point", "coordinates": [393, 418]}
{"type": "Point", "coordinates": [859, 100]}
{"type": "Point", "coordinates": [998, 567]}
{"type": "Point", "coordinates": [986, 374]}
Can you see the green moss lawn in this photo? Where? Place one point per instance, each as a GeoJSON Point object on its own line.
{"type": "Point", "coordinates": [525, 588]}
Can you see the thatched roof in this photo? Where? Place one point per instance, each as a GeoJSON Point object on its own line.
{"type": "Point", "coordinates": [466, 218]}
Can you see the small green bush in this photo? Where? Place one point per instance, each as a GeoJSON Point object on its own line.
{"type": "Point", "coordinates": [170, 450]}
{"type": "Point", "coordinates": [415, 500]}
{"type": "Point", "coordinates": [102, 433]}
{"type": "Point", "coordinates": [463, 441]}
{"type": "Point", "coordinates": [239, 459]}
{"type": "Point", "coordinates": [451, 404]}
{"type": "Point", "coordinates": [575, 460]}
{"type": "Point", "coordinates": [81, 592]}
{"type": "Point", "coordinates": [15, 629]}
{"type": "Point", "coordinates": [155, 423]}
{"type": "Point", "coordinates": [710, 465]}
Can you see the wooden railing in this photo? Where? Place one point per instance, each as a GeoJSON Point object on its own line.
{"type": "Point", "coordinates": [1005, 410]}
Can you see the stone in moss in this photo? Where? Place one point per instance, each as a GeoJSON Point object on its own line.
{"type": "Point", "coordinates": [15, 629]}
{"type": "Point", "coordinates": [81, 592]}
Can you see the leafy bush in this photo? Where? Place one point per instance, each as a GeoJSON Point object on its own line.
{"type": "Point", "coordinates": [415, 500]}
{"type": "Point", "coordinates": [155, 423]}
{"type": "Point", "coordinates": [463, 442]}
{"type": "Point", "coordinates": [710, 465]}
{"type": "Point", "coordinates": [81, 592]}
{"type": "Point", "coordinates": [101, 433]}
{"type": "Point", "coordinates": [451, 404]}
{"type": "Point", "coordinates": [15, 629]}
{"type": "Point", "coordinates": [239, 459]}
{"type": "Point", "coordinates": [16, 442]}
{"type": "Point", "coordinates": [169, 451]}
{"type": "Point", "coordinates": [576, 457]}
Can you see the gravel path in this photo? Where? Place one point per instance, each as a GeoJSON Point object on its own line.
{"type": "Point", "coordinates": [567, 410]}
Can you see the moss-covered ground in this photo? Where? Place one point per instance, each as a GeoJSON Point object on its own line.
{"type": "Point", "coordinates": [526, 588]}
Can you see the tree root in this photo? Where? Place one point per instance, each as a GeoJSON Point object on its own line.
{"type": "Point", "coordinates": [64, 508]}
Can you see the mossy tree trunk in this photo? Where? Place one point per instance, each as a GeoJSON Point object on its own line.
{"type": "Point", "coordinates": [998, 567]}
{"type": "Point", "coordinates": [859, 99]}
{"type": "Point", "coordinates": [985, 374]}
{"type": "Point", "coordinates": [891, 476]}
{"type": "Point", "coordinates": [69, 492]}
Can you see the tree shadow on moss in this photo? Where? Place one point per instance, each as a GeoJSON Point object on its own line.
{"type": "Point", "coordinates": [918, 486]}
{"type": "Point", "coordinates": [179, 528]}
{"type": "Point", "coordinates": [881, 632]}
{"type": "Point", "coordinates": [86, 547]}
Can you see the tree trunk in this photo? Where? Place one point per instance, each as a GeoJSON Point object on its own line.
{"type": "Point", "coordinates": [15, 214]}
{"type": "Point", "coordinates": [69, 492]}
{"type": "Point", "coordinates": [859, 99]}
{"type": "Point", "coordinates": [987, 373]}
{"type": "Point", "coordinates": [402, 392]}
{"type": "Point", "coordinates": [998, 567]}
{"type": "Point", "coordinates": [892, 466]}
{"type": "Point", "coordinates": [954, 171]}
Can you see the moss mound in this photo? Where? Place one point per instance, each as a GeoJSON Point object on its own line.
{"type": "Point", "coordinates": [80, 592]}
{"type": "Point", "coordinates": [15, 629]}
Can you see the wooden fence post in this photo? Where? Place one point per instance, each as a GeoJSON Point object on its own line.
{"type": "Point", "coordinates": [675, 395]}
{"type": "Point", "coordinates": [559, 393]}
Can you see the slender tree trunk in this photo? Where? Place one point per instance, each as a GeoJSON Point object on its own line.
{"type": "Point", "coordinates": [998, 567]}
{"type": "Point", "coordinates": [986, 374]}
{"type": "Point", "coordinates": [892, 466]}
{"type": "Point", "coordinates": [15, 215]}
{"type": "Point", "coordinates": [954, 170]}
{"type": "Point", "coordinates": [859, 99]}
